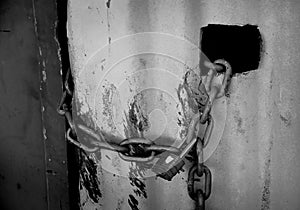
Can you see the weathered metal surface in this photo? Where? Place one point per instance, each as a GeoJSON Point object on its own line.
{"type": "Point", "coordinates": [255, 165]}
{"type": "Point", "coordinates": [33, 166]}
{"type": "Point", "coordinates": [45, 20]}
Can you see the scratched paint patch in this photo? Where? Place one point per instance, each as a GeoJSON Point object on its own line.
{"type": "Point", "coordinates": [188, 95]}
{"type": "Point", "coordinates": [133, 202]}
{"type": "Point", "coordinates": [140, 92]}
{"type": "Point", "coordinates": [109, 101]}
{"type": "Point", "coordinates": [136, 118]}
{"type": "Point", "coordinates": [136, 180]}
{"type": "Point", "coordinates": [120, 56]}
{"type": "Point", "coordinates": [120, 204]}
{"type": "Point", "coordinates": [88, 177]}
{"type": "Point", "coordinates": [266, 193]}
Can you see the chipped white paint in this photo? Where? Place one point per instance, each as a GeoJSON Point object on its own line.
{"type": "Point", "coordinates": [256, 165]}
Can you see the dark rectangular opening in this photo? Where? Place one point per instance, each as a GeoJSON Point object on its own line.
{"type": "Point", "coordinates": [239, 45]}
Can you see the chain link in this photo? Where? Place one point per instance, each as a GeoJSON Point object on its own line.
{"type": "Point", "coordinates": [194, 193]}
{"type": "Point", "coordinates": [213, 92]}
{"type": "Point", "coordinates": [143, 150]}
{"type": "Point", "coordinates": [78, 144]}
{"type": "Point", "coordinates": [132, 149]}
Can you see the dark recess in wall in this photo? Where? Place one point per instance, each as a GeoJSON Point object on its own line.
{"type": "Point", "coordinates": [72, 151]}
{"type": "Point", "coordinates": [239, 45]}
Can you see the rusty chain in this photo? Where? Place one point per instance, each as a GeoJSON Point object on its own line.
{"type": "Point", "coordinates": [199, 195]}
{"type": "Point", "coordinates": [199, 169]}
{"type": "Point", "coordinates": [133, 149]}
{"type": "Point", "coordinates": [144, 150]}
{"type": "Point", "coordinates": [215, 91]}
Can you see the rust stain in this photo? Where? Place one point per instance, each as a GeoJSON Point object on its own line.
{"type": "Point", "coordinates": [138, 169]}
{"type": "Point", "coordinates": [266, 194]}
{"type": "Point", "coordinates": [108, 3]}
{"type": "Point", "coordinates": [190, 100]}
{"type": "Point", "coordinates": [108, 24]}
{"type": "Point", "coordinates": [183, 105]}
{"type": "Point", "coordinates": [88, 177]}
{"type": "Point", "coordinates": [140, 187]}
{"type": "Point", "coordinates": [136, 173]}
{"type": "Point", "coordinates": [286, 118]}
{"type": "Point", "coordinates": [239, 122]}
{"type": "Point", "coordinates": [143, 62]}
{"type": "Point", "coordinates": [82, 108]}
{"type": "Point", "coordinates": [107, 100]}
{"type": "Point", "coordinates": [120, 203]}
{"type": "Point", "coordinates": [136, 120]}
{"type": "Point", "coordinates": [133, 203]}
{"type": "Point", "coordinates": [128, 130]}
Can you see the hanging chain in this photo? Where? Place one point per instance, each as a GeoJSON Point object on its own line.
{"type": "Point", "coordinates": [144, 150]}
{"type": "Point", "coordinates": [199, 169]}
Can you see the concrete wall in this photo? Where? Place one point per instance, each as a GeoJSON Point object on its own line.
{"type": "Point", "coordinates": [256, 163]}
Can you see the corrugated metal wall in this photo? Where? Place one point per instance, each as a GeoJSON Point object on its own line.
{"type": "Point", "coordinates": [256, 163]}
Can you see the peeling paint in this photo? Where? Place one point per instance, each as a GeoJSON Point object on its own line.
{"type": "Point", "coordinates": [266, 192]}
{"type": "Point", "coordinates": [108, 16]}
{"type": "Point", "coordinates": [249, 188]}
{"type": "Point", "coordinates": [120, 204]}
{"type": "Point", "coordinates": [58, 46]}
{"type": "Point", "coordinates": [108, 95]}
{"type": "Point", "coordinates": [286, 118]}
{"type": "Point", "coordinates": [108, 3]}
{"type": "Point", "coordinates": [44, 76]}
{"type": "Point", "coordinates": [45, 133]}
{"type": "Point", "coordinates": [89, 179]}
{"type": "Point", "coordinates": [133, 203]}
{"type": "Point", "coordinates": [189, 102]}
{"type": "Point", "coordinates": [239, 122]}
{"type": "Point", "coordinates": [140, 187]}
{"type": "Point", "coordinates": [81, 103]}
{"type": "Point", "coordinates": [136, 119]}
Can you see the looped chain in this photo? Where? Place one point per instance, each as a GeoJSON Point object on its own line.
{"type": "Point", "coordinates": [128, 149]}
{"type": "Point", "coordinates": [132, 149]}
{"type": "Point", "coordinates": [213, 91]}
{"type": "Point", "coordinates": [144, 150]}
